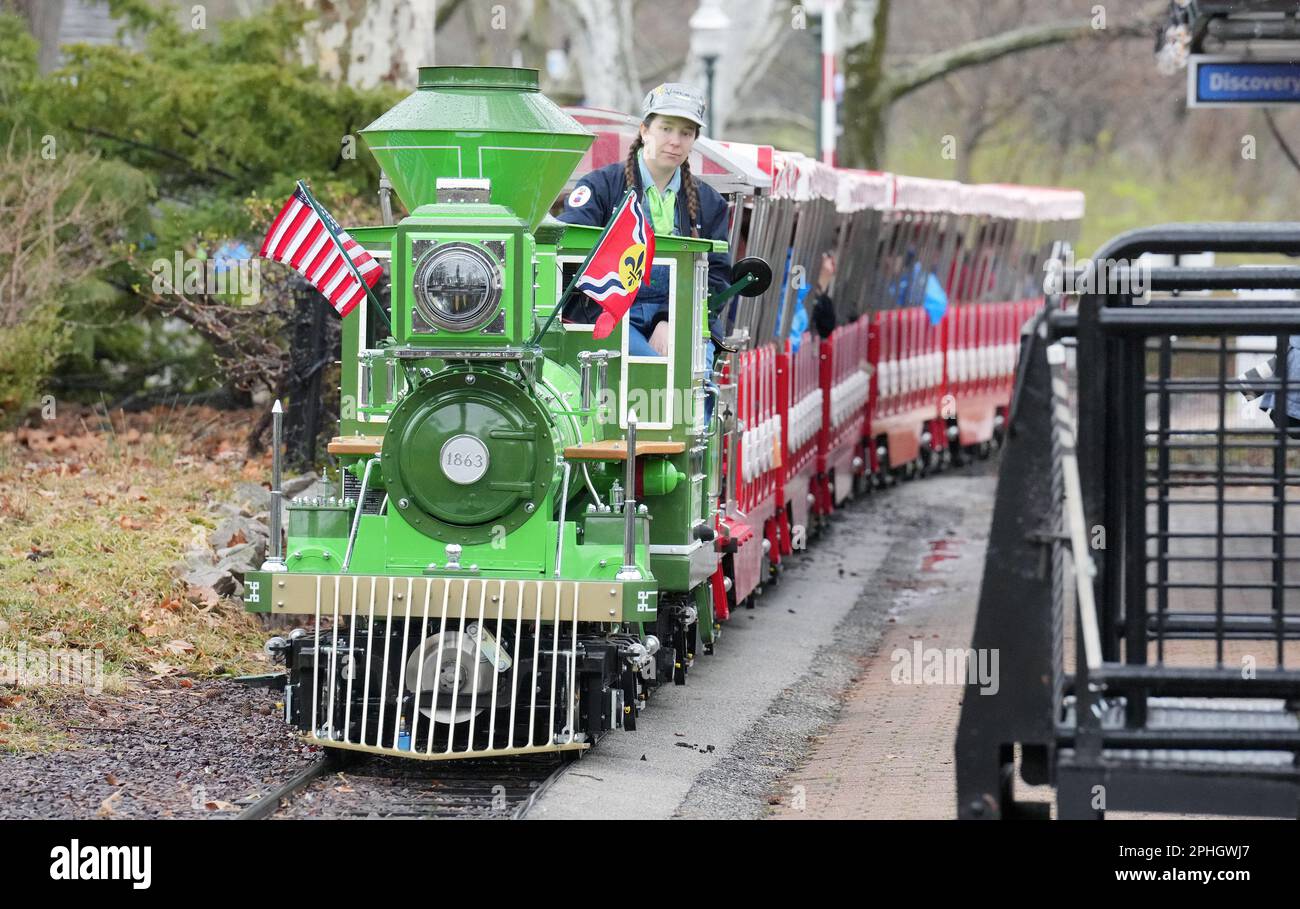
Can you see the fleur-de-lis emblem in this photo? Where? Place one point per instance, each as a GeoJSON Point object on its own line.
{"type": "Point", "coordinates": [632, 270]}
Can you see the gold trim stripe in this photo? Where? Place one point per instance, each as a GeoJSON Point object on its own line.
{"type": "Point", "coordinates": [598, 601]}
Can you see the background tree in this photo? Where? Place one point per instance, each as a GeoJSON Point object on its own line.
{"type": "Point", "coordinates": [367, 43]}
{"type": "Point", "coordinates": [195, 136]}
{"type": "Point", "coordinates": [872, 86]}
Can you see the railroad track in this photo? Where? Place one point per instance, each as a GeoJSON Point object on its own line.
{"type": "Point", "coordinates": [378, 787]}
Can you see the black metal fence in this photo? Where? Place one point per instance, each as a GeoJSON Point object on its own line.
{"type": "Point", "coordinates": [1149, 625]}
{"type": "Point", "coordinates": [313, 344]}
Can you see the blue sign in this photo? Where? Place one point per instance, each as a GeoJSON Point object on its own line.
{"type": "Point", "coordinates": [1220, 82]}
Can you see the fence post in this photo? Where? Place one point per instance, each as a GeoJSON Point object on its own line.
{"type": "Point", "coordinates": [307, 361]}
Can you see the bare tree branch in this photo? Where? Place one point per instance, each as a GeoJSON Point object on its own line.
{"type": "Point", "coordinates": [1277, 137]}
{"type": "Point", "coordinates": [446, 11]}
{"type": "Point", "coordinates": [981, 51]}
{"type": "Point", "coordinates": [873, 87]}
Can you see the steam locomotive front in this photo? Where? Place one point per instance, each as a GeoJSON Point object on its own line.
{"type": "Point", "coordinates": [459, 608]}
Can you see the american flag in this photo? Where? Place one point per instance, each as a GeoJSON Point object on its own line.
{"type": "Point", "coordinates": [300, 239]}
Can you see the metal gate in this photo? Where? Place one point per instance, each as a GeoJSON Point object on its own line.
{"type": "Point", "coordinates": [1142, 588]}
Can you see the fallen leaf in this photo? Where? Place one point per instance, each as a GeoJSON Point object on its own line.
{"type": "Point", "coordinates": [178, 647]}
{"type": "Point", "coordinates": [202, 595]}
{"type": "Point", "coordinates": [185, 683]}
{"type": "Point", "coordinates": [11, 700]}
{"type": "Point", "coordinates": [162, 669]}
{"type": "Point", "coordinates": [4, 727]}
{"type": "Point", "coordinates": [126, 522]}
{"type": "Point", "coordinates": [112, 779]}
{"type": "Point", "coordinates": [106, 807]}
{"type": "Point", "coordinates": [218, 805]}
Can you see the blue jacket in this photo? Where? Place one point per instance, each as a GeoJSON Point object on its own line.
{"type": "Point", "coordinates": [1268, 401]}
{"type": "Point", "coordinates": [606, 187]}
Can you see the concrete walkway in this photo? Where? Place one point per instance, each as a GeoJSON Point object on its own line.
{"type": "Point", "coordinates": [896, 563]}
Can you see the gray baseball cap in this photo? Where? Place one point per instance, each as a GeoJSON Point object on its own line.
{"type": "Point", "coordinates": [675, 99]}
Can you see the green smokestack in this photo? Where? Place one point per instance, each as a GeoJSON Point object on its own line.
{"type": "Point", "coordinates": [479, 121]}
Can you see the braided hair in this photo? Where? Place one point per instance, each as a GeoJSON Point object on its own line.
{"type": "Point", "coordinates": [632, 177]}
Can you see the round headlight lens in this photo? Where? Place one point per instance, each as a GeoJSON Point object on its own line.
{"type": "Point", "coordinates": [457, 287]}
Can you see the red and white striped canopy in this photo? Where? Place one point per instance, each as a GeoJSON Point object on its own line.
{"type": "Point", "coordinates": [747, 168]}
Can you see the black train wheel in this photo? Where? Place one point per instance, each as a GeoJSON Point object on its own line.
{"type": "Point", "coordinates": [628, 680]}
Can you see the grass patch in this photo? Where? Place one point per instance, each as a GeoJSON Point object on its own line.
{"type": "Point", "coordinates": [23, 729]}
{"type": "Point", "coordinates": [94, 514]}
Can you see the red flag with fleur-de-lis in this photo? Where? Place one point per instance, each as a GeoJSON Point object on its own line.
{"type": "Point", "coordinates": [620, 265]}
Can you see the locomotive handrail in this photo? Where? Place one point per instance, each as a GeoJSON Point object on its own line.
{"type": "Point", "coordinates": [356, 518]}
{"type": "Point", "coordinates": [559, 528]}
{"type": "Point", "coordinates": [448, 353]}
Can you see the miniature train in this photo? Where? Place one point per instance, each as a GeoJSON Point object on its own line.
{"type": "Point", "coordinates": [531, 529]}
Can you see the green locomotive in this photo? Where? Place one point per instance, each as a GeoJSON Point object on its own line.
{"type": "Point", "coordinates": [522, 535]}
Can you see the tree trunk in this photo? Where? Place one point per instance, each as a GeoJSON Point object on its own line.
{"type": "Point", "coordinates": [866, 109]}
{"type": "Point", "coordinates": [368, 42]}
{"type": "Point", "coordinates": [44, 18]}
{"type": "Point", "coordinates": [605, 53]}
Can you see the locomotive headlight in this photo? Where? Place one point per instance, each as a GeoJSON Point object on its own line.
{"type": "Point", "coordinates": [457, 286]}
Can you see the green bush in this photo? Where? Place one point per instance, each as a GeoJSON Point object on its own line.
{"type": "Point", "coordinates": [191, 139]}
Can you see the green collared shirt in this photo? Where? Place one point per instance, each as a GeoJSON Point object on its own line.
{"type": "Point", "coordinates": [662, 205]}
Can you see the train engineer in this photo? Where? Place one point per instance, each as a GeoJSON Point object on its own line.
{"type": "Point", "coordinates": [658, 167]}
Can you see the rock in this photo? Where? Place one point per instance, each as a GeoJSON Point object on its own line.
{"type": "Point", "coordinates": [233, 558]}
{"type": "Point", "coordinates": [295, 486]}
{"type": "Point", "coordinates": [200, 557]}
{"type": "Point", "coordinates": [216, 578]}
{"type": "Point", "coordinates": [202, 596]}
{"type": "Point", "coordinates": [231, 529]}
{"type": "Point", "coordinates": [252, 497]}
